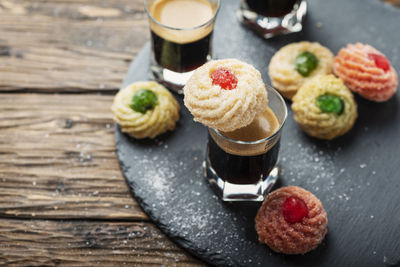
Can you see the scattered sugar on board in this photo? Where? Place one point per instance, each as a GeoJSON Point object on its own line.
{"type": "Point", "coordinates": [162, 175]}
{"type": "Point", "coordinates": [166, 175]}
{"type": "Point", "coordinates": [315, 170]}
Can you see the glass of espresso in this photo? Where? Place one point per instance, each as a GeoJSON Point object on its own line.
{"type": "Point", "coordinates": [241, 165]}
{"type": "Point", "coordinates": [272, 17]}
{"type": "Point", "coordinates": [181, 36]}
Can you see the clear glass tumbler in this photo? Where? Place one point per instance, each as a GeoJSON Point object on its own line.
{"type": "Point", "coordinates": [243, 170]}
{"type": "Point", "coordinates": [177, 51]}
{"type": "Point", "coordinates": [272, 17]}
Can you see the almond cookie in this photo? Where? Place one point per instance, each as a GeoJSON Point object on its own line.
{"type": "Point", "coordinates": [145, 109]}
{"type": "Point", "coordinates": [225, 94]}
{"type": "Point", "coordinates": [324, 107]}
{"type": "Point", "coordinates": [291, 220]}
{"type": "Point", "coordinates": [296, 63]}
{"type": "Point", "coordinates": [366, 71]}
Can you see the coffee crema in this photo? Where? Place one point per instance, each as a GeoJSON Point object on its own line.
{"type": "Point", "coordinates": [180, 13]}
{"type": "Point", "coordinates": [245, 164]}
{"type": "Point", "coordinates": [263, 125]}
{"type": "Point", "coordinates": [183, 16]}
{"type": "Point", "coordinates": [181, 32]}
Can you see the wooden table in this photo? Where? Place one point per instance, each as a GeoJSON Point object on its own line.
{"type": "Point", "coordinates": [63, 199]}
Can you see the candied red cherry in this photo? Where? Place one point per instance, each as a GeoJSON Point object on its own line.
{"type": "Point", "coordinates": [294, 209]}
{"type": "Point", "coordinates": [380, 61]}
{"type": "Point", "coordinates": [224, 78]}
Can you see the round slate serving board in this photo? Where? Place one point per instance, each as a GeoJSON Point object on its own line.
{"type": "Point", "coordinates": [356, 176]}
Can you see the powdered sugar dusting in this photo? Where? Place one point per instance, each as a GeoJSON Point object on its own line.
{"type": "Point", "coordinates": [166, 176]}
{"type": "Point", "coordinates": [315, 170]}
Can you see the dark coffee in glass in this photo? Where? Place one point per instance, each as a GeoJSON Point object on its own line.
{"type": "Point", "coordinates": [181, 36]}
{"type": "Point", "coordinates": [241, 165]}
{"type": "Point", "coordinates": [273, 17]}
{"type": "Point", "coordinates": [181, 57]}
{"type": "Point", "coordinates": [237, 169]}
{"type": "Point", "coordinates": [271, 8]}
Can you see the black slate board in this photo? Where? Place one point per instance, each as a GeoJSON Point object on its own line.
{"type": "Point", "coordinates": [356, 176]}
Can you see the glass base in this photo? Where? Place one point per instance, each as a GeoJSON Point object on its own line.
{"type": "Point", "coordinates": [240, 192]}
{"type": "Point", "coordinates": [271, 26]}
{"type": "Point", "coordinates": [175, 81]}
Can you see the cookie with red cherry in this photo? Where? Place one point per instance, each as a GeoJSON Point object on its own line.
{"type": "Point", "coordinates": [225, 94]}
{"type": "Point", "coordinates": [291, 220]}
{"type": "Point", "coordinates": [366, 71]}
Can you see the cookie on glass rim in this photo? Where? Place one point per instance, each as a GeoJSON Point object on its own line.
{"type": "Point", "coordinates": [225, 94]}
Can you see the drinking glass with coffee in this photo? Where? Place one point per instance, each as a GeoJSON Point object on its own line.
{"type": "Point", "coordinates": [181, 36]}
{"type": "Point", "coordinates": [241, 164]}
{"type": "Point", "coordinates": [273, 17]}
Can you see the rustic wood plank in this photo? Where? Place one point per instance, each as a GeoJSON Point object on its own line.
{"type": "Point", "coordinates": [69, 46]}
{"type": "Point", "coordinates": [393, 2]}
{"type": "Point", "coordinates": [58, 159]}
{"type": "Point", "coordinates": [87, 243]}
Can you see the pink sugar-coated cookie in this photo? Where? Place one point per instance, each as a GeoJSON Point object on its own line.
{"type": "Point", "coordinates": [291, 220]}
{"type": "Point", "coordinates": [366, 71]}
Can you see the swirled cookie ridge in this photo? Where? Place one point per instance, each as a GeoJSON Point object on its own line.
{"type": "Point", "coordinates": [161, 118]}
{"type": "Point", "coordinates": [291, 238]}
{"type": "Point", "coordinates": [225, 110]}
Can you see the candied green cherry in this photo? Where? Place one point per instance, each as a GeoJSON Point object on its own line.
{"type": "Point", "coordinates": [330, 104]}
{"type": "Point", "coordinates": [144, 100]}
{"type": "Point", "coordinates": [305, 63]}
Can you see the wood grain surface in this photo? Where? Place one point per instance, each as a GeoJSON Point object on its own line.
{"type": "Point", "coordinates": [58, 160]}
{"type": "Point", "coordinates": [87, 243]}
{"type": "Point", "coordinates": [63, 199]}
{"type": "Point", "coordinates": [393, 2]}
{"type": "Point", "coordinates": [68, 46]}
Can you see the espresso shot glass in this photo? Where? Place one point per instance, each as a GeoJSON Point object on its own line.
{"type": "Point", "coordinates": [273, 17]}
{"type": "Point", "coordinates": [181, 38]}
{"type": "Point", "coordinates": [245, 170]}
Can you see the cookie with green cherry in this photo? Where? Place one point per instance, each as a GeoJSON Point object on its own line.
{"type": "Point", "coordinates": [324, 107]}
{"type": "Point", "coordinates": [296, 63]}
{"type": "Point", "coordinates": [145, 109]}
